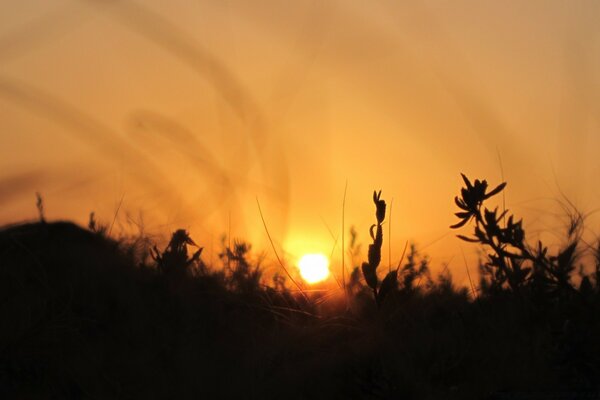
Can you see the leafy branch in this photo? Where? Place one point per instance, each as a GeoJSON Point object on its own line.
{"type": "Point", "coordinates": [511, 262]}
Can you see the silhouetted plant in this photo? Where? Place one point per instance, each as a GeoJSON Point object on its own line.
{"type": "Point", "coordinates": [354, 283]}
{"type": "Point", "coordinates": [92, 224]}
{"type": "Point", "coordinates": [243, 276]}
{"type": "Point", "coordinates": [369, 269]}
{"type": "Point", "coordinates": [39, 203]}
{"type": "Point", "coordinates": [354, 247]}
{"type": "Point", "coordinates": [512, 263]}
{"type": "Point", "coordinates": [445, 284]}
{"type": "Point", "coordinates": [174, 260]}
{"type": "Point", "coordinates": [415, 271]}
{"type": "Point", "coordinates": [95, 226]}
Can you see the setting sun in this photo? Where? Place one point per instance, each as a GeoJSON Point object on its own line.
{"type": "Point", "coordinates": [314, 267]}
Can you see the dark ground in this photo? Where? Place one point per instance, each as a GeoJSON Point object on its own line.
{"type": "Point", "coordinates": [83, 318]}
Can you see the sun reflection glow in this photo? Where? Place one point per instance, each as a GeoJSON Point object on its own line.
{"type": "Point", "coordinates": [314, 267]}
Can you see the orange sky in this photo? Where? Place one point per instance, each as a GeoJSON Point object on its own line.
{"type": "Point", "coordinates": [190, 110]}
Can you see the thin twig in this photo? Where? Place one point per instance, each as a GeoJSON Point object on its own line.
{"type": "Point", "coordinates": [277, 254]}
{"type": "Point", "coordinates": [402, 257]}
{"type": "Point", "coordinates": [229, 251]}
{"type": "Point", "coordinates": [390, 238]}
{"type": "Point", "coordinates": [503, 192]}
{"type": "Point", "coordinates": [343, 238]}
{"type": "Point", "coordinates": [116, 214]}
{"type": "Point", "coordinates": [469, 274]}
{"type": "Point", "coordinates": [335, 240]}
{"type": "Point", "coordinates": [328, 229]}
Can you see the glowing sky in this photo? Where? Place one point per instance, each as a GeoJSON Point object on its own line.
{"type": "Point", "coordinates": [184, 112]}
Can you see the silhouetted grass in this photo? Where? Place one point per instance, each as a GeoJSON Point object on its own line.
{"type": "Point", "coordinates": [87, 316]}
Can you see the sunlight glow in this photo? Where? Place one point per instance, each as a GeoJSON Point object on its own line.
{"type": "Point", "coordinates": [314, 267]}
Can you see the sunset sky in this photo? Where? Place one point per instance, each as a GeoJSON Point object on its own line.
{"type": "Point", "coordinates": [181, 114]}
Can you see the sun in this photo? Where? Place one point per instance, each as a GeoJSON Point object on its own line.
{"type": "Point", "coordinates": [314, 267]}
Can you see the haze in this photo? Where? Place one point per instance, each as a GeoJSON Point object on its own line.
{"type": "Point", "coordinates": [183, 113]}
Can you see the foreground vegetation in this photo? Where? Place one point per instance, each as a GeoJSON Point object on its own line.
{"type": "Point", "coordinates": [86, 316]}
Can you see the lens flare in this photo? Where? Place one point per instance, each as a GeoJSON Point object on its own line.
{"type": "Point", "coordinates": [314, 267]}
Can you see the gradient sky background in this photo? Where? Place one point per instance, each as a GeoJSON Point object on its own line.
{"type": "Point", "coordinates": [186, 111]}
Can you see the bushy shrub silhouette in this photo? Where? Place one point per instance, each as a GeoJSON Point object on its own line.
{"type": "Point", "coordinates": [539, 283]}
{"type": "Point", "coordinates": [512, 263]}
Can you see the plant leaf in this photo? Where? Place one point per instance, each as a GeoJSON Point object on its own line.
{"type": "Point", "coordinates": [467, 182]}
{"type": "Point", "coordinates": [460, 223]}
{"type": "Point", "coordinates": [496, 190]}
{"type": "Point", "coordinates": [389, 283]}
{"type": "Point", "coordinates": [370, 275]}
{"type": "Point", "coordinates": [467, 239]}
